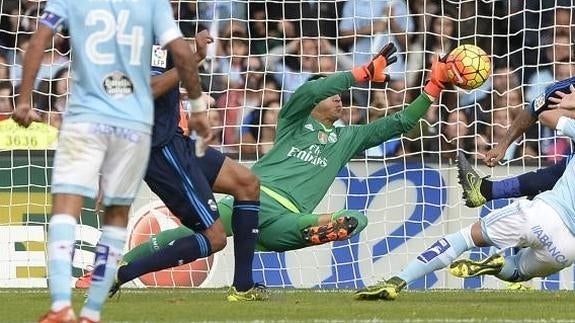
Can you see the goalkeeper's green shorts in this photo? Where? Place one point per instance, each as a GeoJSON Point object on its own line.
{"type": "Point", "coordinates": [279, 228]}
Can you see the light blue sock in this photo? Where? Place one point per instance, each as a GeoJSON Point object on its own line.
{"type": "Point", "coordinates": [510, 271]}
{"type": "Point", "coordinates": [61, 239]}
{"type": "Point", "coordinates": [108, 255]}
{"type": "Point", "coordinates": [439, 255]}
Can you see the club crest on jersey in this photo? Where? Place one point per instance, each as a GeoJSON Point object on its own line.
{"type": "Point", "coordinates": [159, 57]}
{"type": "Point", "coordinates": [322, 137]}
{"type": "Point", "coordinates": [118, 85]}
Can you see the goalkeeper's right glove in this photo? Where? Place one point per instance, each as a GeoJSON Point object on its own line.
{"type": "Point", "coordinates": [373, 71]}
{"type": "Point", "coordinates": [442, 73]}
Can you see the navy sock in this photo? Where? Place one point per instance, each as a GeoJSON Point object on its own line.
{"type": "Point", "coordinates": [245, 228]}
{"type": "Point", "coordinates": [181, 251]}
{"type": "Point", "coordinates": [505, 188]}
{"type": "Point", "coordinates": [486, 189]}
{"type": "Point", "coordinates": [530, 183]}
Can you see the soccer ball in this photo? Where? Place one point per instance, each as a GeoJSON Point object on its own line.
{"type": "Point", "coordinates": [472, 63]}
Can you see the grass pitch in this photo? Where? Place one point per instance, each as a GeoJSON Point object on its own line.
{"type": "Point", "coordinates": [187, 305]}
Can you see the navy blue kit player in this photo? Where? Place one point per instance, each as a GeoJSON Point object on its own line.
{"type": "Point", "coordinates": [184, 182]}
{"type": "Point", "coordinates": [477, 191]}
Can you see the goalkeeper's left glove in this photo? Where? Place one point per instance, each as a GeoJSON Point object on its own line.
{"type": "Point", "coordinates": [442, 73]}
{"type": "Point", "coordinates": [373, 71]}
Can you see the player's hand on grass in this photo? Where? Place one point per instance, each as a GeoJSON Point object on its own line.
{"type": "Point", "coordinates": [24, 115]}
{"type": "Point", "coordinates": [493, 156]}
{"type": "Point", "coordinates": [563, 100]}
{"type": "Point", "coordinates": [199, 122]}
{"type": "Point", "coordinates": [442, 73]}
{"type": "Point", "coordinates": [374, 70]}
{"type": "Point", "coordinates": [202, 38]}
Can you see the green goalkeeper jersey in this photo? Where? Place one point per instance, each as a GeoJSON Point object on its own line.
{"type": "Point", "coordinates": [307, 156]}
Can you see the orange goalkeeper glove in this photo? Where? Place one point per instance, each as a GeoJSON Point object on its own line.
{"type": "Point", "coordinates": [373, 71]}
{"type": "Point", "coordinates": [442, 73]}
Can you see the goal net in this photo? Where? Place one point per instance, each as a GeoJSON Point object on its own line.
{"type": "Point", "coordinates": [263, 51]}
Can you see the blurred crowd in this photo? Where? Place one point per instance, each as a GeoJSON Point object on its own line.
{"type": "Point", "coordinates": [264, 50]}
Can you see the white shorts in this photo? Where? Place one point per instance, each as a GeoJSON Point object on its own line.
{"type": "Point", "coordinates": [89, 154]}
{"type": "Point", "coordinates": [548, 244]}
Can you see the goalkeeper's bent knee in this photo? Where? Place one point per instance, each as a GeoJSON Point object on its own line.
{"type": "Point", "coordinates": [360, 217]}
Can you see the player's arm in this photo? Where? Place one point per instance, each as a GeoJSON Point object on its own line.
{"type": "Point", "coordinates": [187, 69]}
{"type": "Point", "coordinates": [561, 116]}
{"type": "Point", "coordinates": [526, 119]}
{"type": "Point", "coordinates": [169, 36]}
{"type": "Point", "coordinates": [163, 83]}
{"type": "Point", "coordinates": [556, 119]}
{"type": "Point", "coordinates": [23, 114]}
{"type": "Point", "coordinates": [520, 124]}
{"type": "Point", "coordinates": [312, 92]}
{"type": "Point", "coordinates": [403, 121]}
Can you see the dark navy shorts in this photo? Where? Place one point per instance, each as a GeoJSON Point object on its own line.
{"type": "Point", "coordinates": [184, 182]}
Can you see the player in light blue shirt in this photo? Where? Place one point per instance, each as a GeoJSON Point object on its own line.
{"type": "Point", "coordinates": [562, 197]}
{"type": "Point", "coordinates": [543, 228]}
{"type": "Point", "coordinates": [104, 141]}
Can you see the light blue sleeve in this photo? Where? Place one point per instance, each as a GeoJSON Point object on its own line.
{"type": "Point", "coordinates": [165, 27]}
{"type": "Point", "coordinates": [55, 14]}
{"type": "Point", "coordinates": [566, 126]}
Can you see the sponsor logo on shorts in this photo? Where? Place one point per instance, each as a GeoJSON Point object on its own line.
{"type": "Point", "coordinates": [435, 250]}
{"type": "Point", "coordinates": [127, 134]}
{"type": "Point", "coordinates": [118, 85]}
{"type": "Point", "coordinates": [546, 241]}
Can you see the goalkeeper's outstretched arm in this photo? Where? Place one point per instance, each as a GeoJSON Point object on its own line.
{"type": "Point", "coordinates": [391, 126]}
{"type": "Point", "coordinates": [307, 96]}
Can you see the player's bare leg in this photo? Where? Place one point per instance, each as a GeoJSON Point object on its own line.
{"type": "Point", "coordinates": [244, 186]}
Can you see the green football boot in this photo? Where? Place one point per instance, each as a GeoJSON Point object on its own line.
{"type": "Point", "coordinates": [470, 182]}
{"type": "Point", "coordinates": [465, 268]}
{"type": "Point", "coordinates": [386, 290]}
{"type": "Point", "coordinates": [257, 293]}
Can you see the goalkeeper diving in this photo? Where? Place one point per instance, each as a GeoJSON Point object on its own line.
{"type": "Point", "coordinates": [307, 155]}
